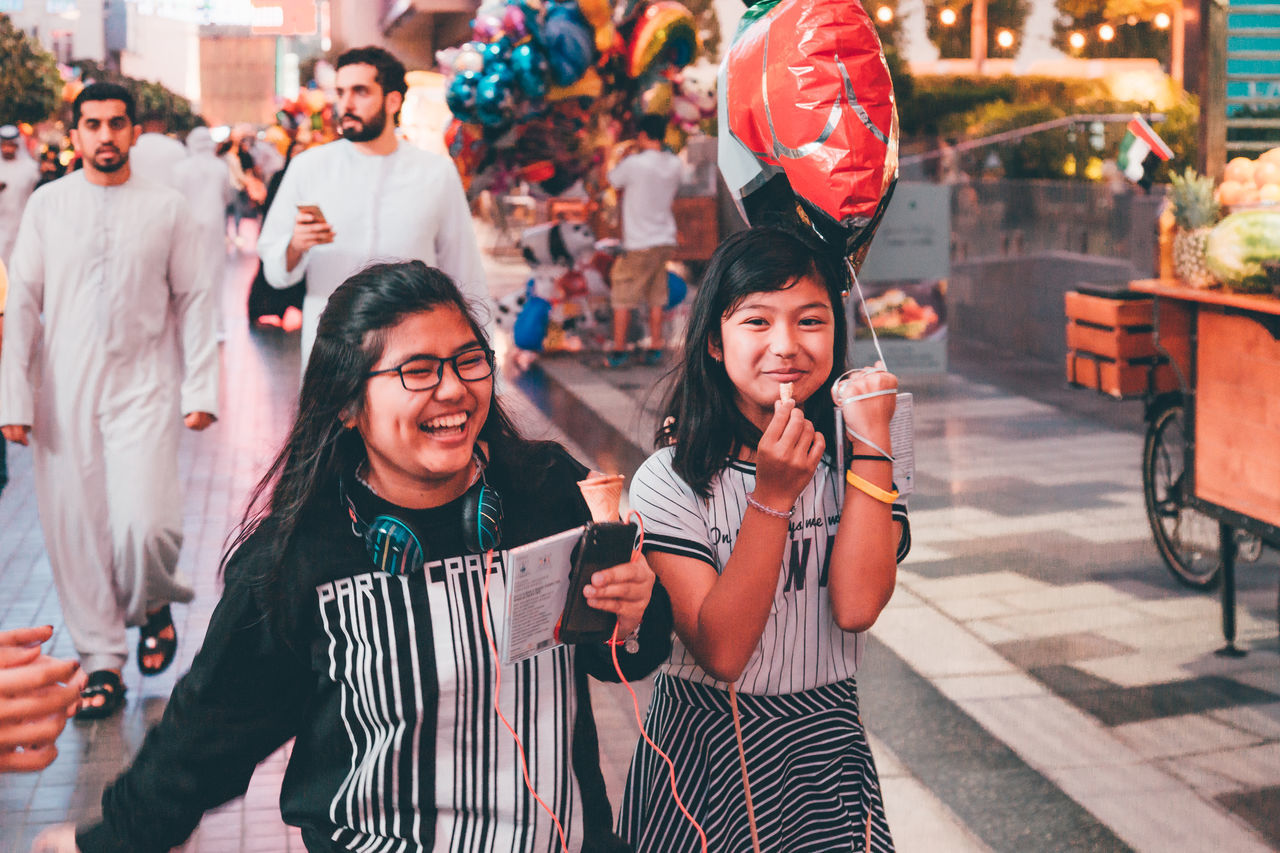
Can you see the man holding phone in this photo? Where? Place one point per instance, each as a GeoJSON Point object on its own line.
{"type": "Point", "coordinates": [368, 197]}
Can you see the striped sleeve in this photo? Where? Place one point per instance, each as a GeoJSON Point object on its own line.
{"type": "Point", "coordinates": [673, 520]}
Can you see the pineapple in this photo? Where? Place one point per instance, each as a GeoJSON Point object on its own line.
{"type": "Point", "coordinates": [1195, 210]}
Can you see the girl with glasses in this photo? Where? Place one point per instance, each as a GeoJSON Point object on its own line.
{"type": "Point", "coordinates": [385, 679]}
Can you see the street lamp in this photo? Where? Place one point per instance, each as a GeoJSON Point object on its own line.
{"type": "Point", "coordinates": [1004, 39]}
{"type": "Point", "coordinates": [1106, 32]}
{"type": "Point", "coordinates": [1163, 20]}
{"type": "Point", "coordinates": [884, 14]}
{"type": "Point", "coordinates": [947, 17]}
{"type": "Point", "coordinates": [1076, 40]}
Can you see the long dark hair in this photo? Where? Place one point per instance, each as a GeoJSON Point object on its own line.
{"type": "Point", "coordinates": [700, 415]}
{"type": "Point", "coordinates": [319, 450]}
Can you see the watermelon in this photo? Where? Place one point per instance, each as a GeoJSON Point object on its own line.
{"type": "Point", "coordinates": [1240, 245]}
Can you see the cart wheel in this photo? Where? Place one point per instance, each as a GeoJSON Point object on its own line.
{"type": "Point", "coordinates": [1187, 539]}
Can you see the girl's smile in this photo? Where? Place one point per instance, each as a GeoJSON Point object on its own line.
{"type": "Point", "coordinates": [774, 337]}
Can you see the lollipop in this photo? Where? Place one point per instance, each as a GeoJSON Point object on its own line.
{"type": "Point", "coordinates": [603, 494]}
{"type": "Point", "coordinates": [809, 130]}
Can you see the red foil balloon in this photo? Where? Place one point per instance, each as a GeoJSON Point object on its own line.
{"type": "Point", "coordinates": [808, 96]}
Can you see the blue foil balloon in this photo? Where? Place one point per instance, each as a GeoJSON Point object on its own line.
{"type": "Point", "coordinates": [502, 70]}
{"type": "Point", "coordinates": [492, 52]}
{"type": "Point", "coordinates": [461, 95]}
{"type": "Point", "coordinates": [530, 67]}
{"type": "Point", "coordinates": [493, 101]}
{"type": "Point", "coordinates": [570, 42]}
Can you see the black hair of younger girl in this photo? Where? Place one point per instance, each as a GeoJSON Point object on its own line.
{"type": "Point", "coordinates": [319, 450]}
{"type": "Point", "coordinates": [708, 430]}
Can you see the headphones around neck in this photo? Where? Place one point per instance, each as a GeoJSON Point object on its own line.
{"type": "Point", "coordinates": [394, 546]}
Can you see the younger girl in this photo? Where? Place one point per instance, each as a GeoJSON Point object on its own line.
{"type": "Point", "coordinates": [775, 562]}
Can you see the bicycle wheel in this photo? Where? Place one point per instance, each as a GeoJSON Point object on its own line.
{"type": "Point", "coordinates": [1187, 539]}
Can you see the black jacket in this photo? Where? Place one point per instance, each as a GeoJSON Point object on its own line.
{"type": "Point", "coordinates": [377, 673]}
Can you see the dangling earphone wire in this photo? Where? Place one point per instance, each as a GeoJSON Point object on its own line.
{"type": "Point", "coordinates": [613, 644]}
{"type": "Point", "coordinates": [497, 687]}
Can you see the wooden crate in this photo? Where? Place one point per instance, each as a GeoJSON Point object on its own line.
{"type": "Point", "coordinates": [1110, 347]}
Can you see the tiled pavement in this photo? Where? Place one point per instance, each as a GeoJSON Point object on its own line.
{"type": "Point", "coordinates": [1038, 682]}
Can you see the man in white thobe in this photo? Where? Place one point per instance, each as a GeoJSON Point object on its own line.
{"type": "Point", "coordinates": [379, 199]}
{"type": "Point", "coordinates": [105, 277]}
{"type": "Point", "coordinates": [154, 156]}
{"type": "Point", "coordinates": [18, 177]}
{"type": "Point", "coordinates": [201, 177]}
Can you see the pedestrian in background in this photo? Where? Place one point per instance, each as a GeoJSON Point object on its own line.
{"type": "Point", "coordinates": [648, 178]}
{"type": "Point", "coordinates": [156, 155]}
{"type": "Point", "coordinates": [18, 177]}
{"type": "Point", "coordinates": [377, 199]}
{"type": "Point", "coordinates": [267, 305]}
{"type": "Point", "coordinates": [37, 695]}
{"type": "Point", "coordinates": [201, 177]}
{"type": "Point", "coordinates": [776, 559]}
{"type": "Point", "coordinates": [247, 185]}
{"type": "Point", "coordinates": [106, 275]}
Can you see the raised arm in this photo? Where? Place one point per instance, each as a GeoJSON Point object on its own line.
{"type": "Point", "coordinates": [720, 617]}
{"type": "Point", "coordinates": [872, 537]}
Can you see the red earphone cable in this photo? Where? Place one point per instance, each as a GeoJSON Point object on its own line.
{"type": "Point", "coordinates": [635, 703]}
{"type": "Point", "coordinates": [497, 687]}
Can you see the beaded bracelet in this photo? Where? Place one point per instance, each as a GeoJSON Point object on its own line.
{"type": "Point", "coordinates": [869, 488]}
{"type": "Point", "coordinates": [767, 510]}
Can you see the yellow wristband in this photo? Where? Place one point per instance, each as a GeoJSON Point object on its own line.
{"type": "Point", "coordinates": [870, 488]}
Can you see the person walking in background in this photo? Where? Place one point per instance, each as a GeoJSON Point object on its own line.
{"type": "Point", "coordinates": [106, 274]}
{"type": "Point", "coordinates": [777, 559]}
{"type": "Point", "coordinates": [18, 177]}
{"type": "Point", "coordinates": [156, 155]}
{"type": "Point", "coordinates": [246, 182]}
{"type": "Point", "coordinates": [267, 305]}
{"type": "Point", "coordinates": [368, 197]}
{"type": "Point", "coordinates": [648, 179]}
{"type": "Point", "coordinates": [201, 177]}
{"type": "Point", "coordinates": [37, 695]}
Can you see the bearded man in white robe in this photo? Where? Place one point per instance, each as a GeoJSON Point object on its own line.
{"type": "Point", "coordinates": [108, 346]}
{"type": "Point", "coordinates": [378, 199]}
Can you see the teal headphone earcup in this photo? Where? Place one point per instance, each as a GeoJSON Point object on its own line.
{"type": "Point", "coordinates": [481, 518]}
{"type": "Point", "coordinates": [394, 547]}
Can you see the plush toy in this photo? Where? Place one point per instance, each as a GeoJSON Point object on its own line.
{"type": "Point", "coordinates": [559, 297]}
{"type": "Point", "coordinates": [693, 105]}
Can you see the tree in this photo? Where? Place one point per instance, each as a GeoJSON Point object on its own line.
{"type": "Point", "coordinates": [1135, 34]}
{"type": "Point", "coordinates": [953, 39]}
{"type": "Point", "coordinates": [151, 97]}
{"type": "Point", "coordinates": [29, 81]}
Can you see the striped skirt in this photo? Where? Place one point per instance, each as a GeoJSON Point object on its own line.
{"type": "Point", "coordinates": [813, 781]}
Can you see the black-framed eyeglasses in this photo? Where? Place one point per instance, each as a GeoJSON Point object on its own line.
{"type": "Point", "coordinates": [422, 373]}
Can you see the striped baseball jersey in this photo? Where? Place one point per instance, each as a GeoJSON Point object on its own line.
{"type": "Point", "coordinates": [802, 647]}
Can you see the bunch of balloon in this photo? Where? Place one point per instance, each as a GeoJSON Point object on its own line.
{"type": "Point", "coordinates": [808, 128]}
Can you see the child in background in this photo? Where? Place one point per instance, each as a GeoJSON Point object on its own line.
{"type": "Point", "coordinates": [776, 562]}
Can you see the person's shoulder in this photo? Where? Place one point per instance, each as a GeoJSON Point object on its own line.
{"type": "Point", "coordinates": [660, 466]}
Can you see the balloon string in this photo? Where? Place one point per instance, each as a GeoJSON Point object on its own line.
{"type": "Point", "coordinates": [862, 300]}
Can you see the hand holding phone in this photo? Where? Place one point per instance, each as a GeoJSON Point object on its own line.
{"type": "Point", "coordinates": [603, 545]}
{"type": "Point", "coordinates": [310, 228]}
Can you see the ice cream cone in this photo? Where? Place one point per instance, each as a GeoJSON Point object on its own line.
{"type": "Point", "coordinates": [603, 494]}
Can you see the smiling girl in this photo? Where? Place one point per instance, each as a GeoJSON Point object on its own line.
{"type": "Point", "coordinates": [775, 561]}
{"type": "Point", "coordinates": [372, 655]}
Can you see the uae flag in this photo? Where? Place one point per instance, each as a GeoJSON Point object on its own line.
{"type": "Point", "coordinates": [1140, 151]}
